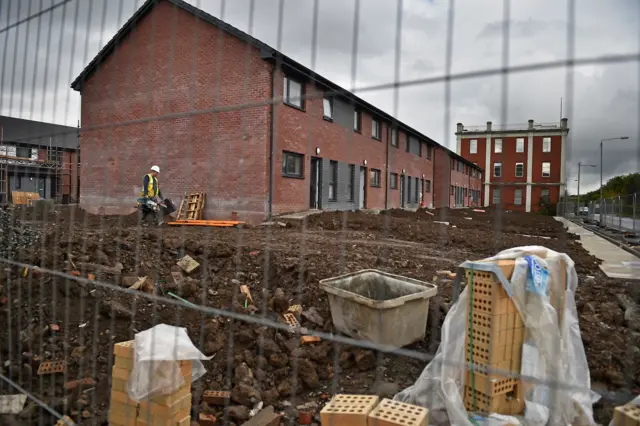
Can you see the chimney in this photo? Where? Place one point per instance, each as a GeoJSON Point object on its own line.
{"type": "Point", "coordinates": [460, 128]}
{"type": "Point", "coordinates": [563, 123]}
{"type": "Point", "coordinates": [530, 124]}
{"type": "Point", "coordinates": [488, 126]}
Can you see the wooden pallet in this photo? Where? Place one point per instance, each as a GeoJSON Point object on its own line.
{"type": "Point", "coordinates": [217, 223]}
{"type": "Point", "coordinates": [192, 206]}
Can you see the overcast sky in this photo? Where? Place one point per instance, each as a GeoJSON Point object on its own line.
{"type": "Point", "coordinates": [41, 57]}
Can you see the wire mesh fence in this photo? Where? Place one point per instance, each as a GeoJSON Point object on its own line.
{"type": "Point", "coordinates": [183, 90]}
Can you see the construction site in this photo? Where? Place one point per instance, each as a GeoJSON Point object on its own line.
{"type": "Point", "coordinates": [78, 284]}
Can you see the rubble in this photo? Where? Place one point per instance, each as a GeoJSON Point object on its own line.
{"type": "Point", "coordinates": [15, 236]}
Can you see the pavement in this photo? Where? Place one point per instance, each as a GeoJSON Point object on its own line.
{"type": "Point", "coordinates": [616, 262]}
{"type": "Point", "coordinates": [617, 222]}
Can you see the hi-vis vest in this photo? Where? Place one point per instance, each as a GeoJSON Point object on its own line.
{"type": "Point", "coordinates": [152, 188]}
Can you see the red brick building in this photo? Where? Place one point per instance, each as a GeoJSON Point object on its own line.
{"type": "Point", "coordinates": [220, 111]}
{"type": "Point", "coordinates": [524, 165]}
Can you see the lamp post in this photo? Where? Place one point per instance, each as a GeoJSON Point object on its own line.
{"type": "Point", "coordinates": [601, 167]}
{"type": "Point", "coordinates": [580, 166]}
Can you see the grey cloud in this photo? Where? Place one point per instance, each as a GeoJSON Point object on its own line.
{"type": "Point", "coordinates": [521, 29]}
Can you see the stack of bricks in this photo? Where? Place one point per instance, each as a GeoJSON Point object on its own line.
{"type": "Point", "coordinates": [367, 410]}
{"type": "Point", "coordinates": [494, 338]}
{"type": "Point", "coordinates": [163, 410]}
{"type": "Point", "coordinates": [627, 415]}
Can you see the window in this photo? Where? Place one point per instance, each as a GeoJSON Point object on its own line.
{"type": "Point", "coordinates": [420, 148]}
{"type": "Point", "coordinates": [427, 186]}
{"type": "Point", "coordinates": [18, 181]}
{"type": "Point", "coordinates": [496, 196]}
{"type": "Point", "coordinates": [53, 155]}
{"type": "Point", "coordinates": [351, 182]}
{"type": "Point", "coordinates": [333, 181]}
{"type": "Point", "coordinates": [408, 189]}
{"type": "Point", "coordinates": [473, 146]}
{"type": "Point", "coordinates": [23, 152]}
{"type": "Point", "coordinates": [357, 121]}
{"type": "Point", "coordinates": [393, 181]}
{"type": "Point", "coordinates": [292, 164]}
{"type": "Point", "coordinates": [544, 196]}
{"type": "Point", "coordinates": [408, 144]}
{"type": "Point", "coordinates": [520, 145]}
{"type": "Point", "coordinates": [375, 129]}
{"type": "Point", "coordinates": [453, 164]}
{"type": "Point", "coordinates": [374, 178]}
{"type": "Point", "coordinates": [394, 137]}
{"type": "Point", "coordinates": [428, 152]}
{"type": "Point", "coordinates": [546, 169]}
{"type": "Point", "coordinates": [459, 166]}
{"type": "Point", "coordinates": [453, 189]}
{"type": "Point", "coordinates": [497, 169]}
{"type": "Point", "coordinates": [327, 105]}
{"type": "Point", "coordinates": [497, 146]}
{"type": "Point", "coordinates": [417, 191]}
{"type": "Point", "coordinates": [519, 169]}
{"type": "Point", "coordinates": [546, 144]}
{"type": "Point", "coordinates": [292, 93]}
{"type": "Point", "coordinates": [517, 197]}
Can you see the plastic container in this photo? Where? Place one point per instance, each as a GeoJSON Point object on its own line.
{"type": "Point", "coordinates": [380, 307]}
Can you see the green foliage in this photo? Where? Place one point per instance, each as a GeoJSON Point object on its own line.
{"type": "Point", "coordinates": [619, 185]}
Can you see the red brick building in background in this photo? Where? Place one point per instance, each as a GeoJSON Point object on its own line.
{"type": "Point", "coordinates": [261, 134]}
{"type": "Point", "coordinates": [524, 165]}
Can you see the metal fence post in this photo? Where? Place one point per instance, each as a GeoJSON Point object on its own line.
{"type": "Point", "coordinates": [619, 213]}
{"type": "Point", "coordinates": [634, 214]}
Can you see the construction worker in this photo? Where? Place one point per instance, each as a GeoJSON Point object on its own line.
{"type": "Point", "coordinates": [151, 192]}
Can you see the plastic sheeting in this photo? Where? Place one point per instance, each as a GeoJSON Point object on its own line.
{"type": "Point", "coordinates": [553, 358]}
{"type": "Point", "coordinates": [156, 370]}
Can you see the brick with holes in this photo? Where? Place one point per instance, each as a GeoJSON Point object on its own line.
{"type": "Point", "coordinates": [351, 410]}
{"type": "Point", "coordinates": [124, 349]}
{"type": "Point", "coordinates": [52, 367]}
{"type": "Point", "coordinates": [626, 415]}
{"type": "Point", "coordinates": [395, 413]}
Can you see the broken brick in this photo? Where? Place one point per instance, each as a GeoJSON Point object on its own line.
{"type": "Point", "coordinates": [305, 418]}
{"type": "Point", "coordinates": [92, 277]}
{"type": "Point", "coordinates": [75, 383]}
{"type": "Point", "coordinates": [291, 320]}
{"type": "Point", "coordinates": [207, 419]}
{"type": "Point", "coordinates": [295, 309]}
{"type": "Point", "coordinates": [75, 273]}
{"type": "Point", "coordinates": [54, 327]}
{"type": "Point", "coordinates": [216, 397]}
{"type": "Point", "coordinates": [309, 339]}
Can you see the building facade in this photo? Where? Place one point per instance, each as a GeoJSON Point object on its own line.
{"type": "Point", "coordinates": [222, 112]}
{"type": "Point", "coordinates": [524, 165]}
{"type": "Point", "coordinates": [38, 157]}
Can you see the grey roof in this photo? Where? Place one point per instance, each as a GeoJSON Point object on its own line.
{"type": "Point", "coordinates": [267, 53]}
{"type": "Point", "coordinates": [29, 132]}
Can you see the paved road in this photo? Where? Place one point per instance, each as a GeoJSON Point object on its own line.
{"type": "Point", "coordinates": [615, 222]}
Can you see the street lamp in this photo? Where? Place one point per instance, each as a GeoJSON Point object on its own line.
{"type": "Point", "coordinates": [580, 166]}
{"type": "Point", "coordinates": [601, 167]}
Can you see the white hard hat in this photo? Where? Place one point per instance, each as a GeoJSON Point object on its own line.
{"type": "Point", "coordinates": [155, 169]}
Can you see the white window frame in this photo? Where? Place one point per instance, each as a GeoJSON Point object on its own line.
{"type": "Point", "coordinates": [548, 173]}
{"type": "Point", "coordinates": [497, 146]}
{"type": "Point", "coordinates": [517, 200]}
{"type": "Point", "coordinates": [497, 164]}
{"type": "Point", "coordinates": [473, 146]}
{"type": "Point", "coordinates": [520, 145]}
{"type": "Point", "coordinates": [546, 144]}
{"type": "Point", "coordinates": [286, 93]}
{"type": "Point", "coordinates": [521, 172]}
{"type": "Point", "coordinates": [375, 129]}
{"type": "Point", "coordinates": [493, 194]}
{"type": "Point", "coordinates": [327, 104]}
{"type": "Point", "coordinates": [357, 121]}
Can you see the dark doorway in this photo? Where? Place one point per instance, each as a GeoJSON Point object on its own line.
{"type": "Point", "coordinates": [315, 183]}
{"type": "Point", "coordinates": [402, 191]}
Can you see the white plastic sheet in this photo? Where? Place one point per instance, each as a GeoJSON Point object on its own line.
{"type": "Point", "coordinates": [552, 354]}
{"type": "Point", "coordinates": [156, 370]}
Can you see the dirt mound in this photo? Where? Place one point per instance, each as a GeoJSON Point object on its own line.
{"type": "Point", "coordinates": [282, 267]}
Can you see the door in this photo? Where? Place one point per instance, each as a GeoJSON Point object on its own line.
{"type": "Point", "coordinates": [314, 181]}
{"type": "Point", "coordinates": [402, 191]}
{"type": "Point", "coordinates": [41, 189]}
{"type": "Point", "coordinates": [362, 201]}
{"type": "Point", "coordinates": [421, 194]}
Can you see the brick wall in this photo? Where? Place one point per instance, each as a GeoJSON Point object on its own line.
{"type": "Point", "coordinates": [172, 62]}
{"type": "Point", "coordinates": [442, 178]}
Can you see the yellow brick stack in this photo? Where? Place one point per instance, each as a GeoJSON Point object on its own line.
{"type": "Point", "coordinates": [627, 415]}
{"type": "Point", "coordinates": [164, 410]}
{"type": "Point", "coordinates": [495, 334]}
